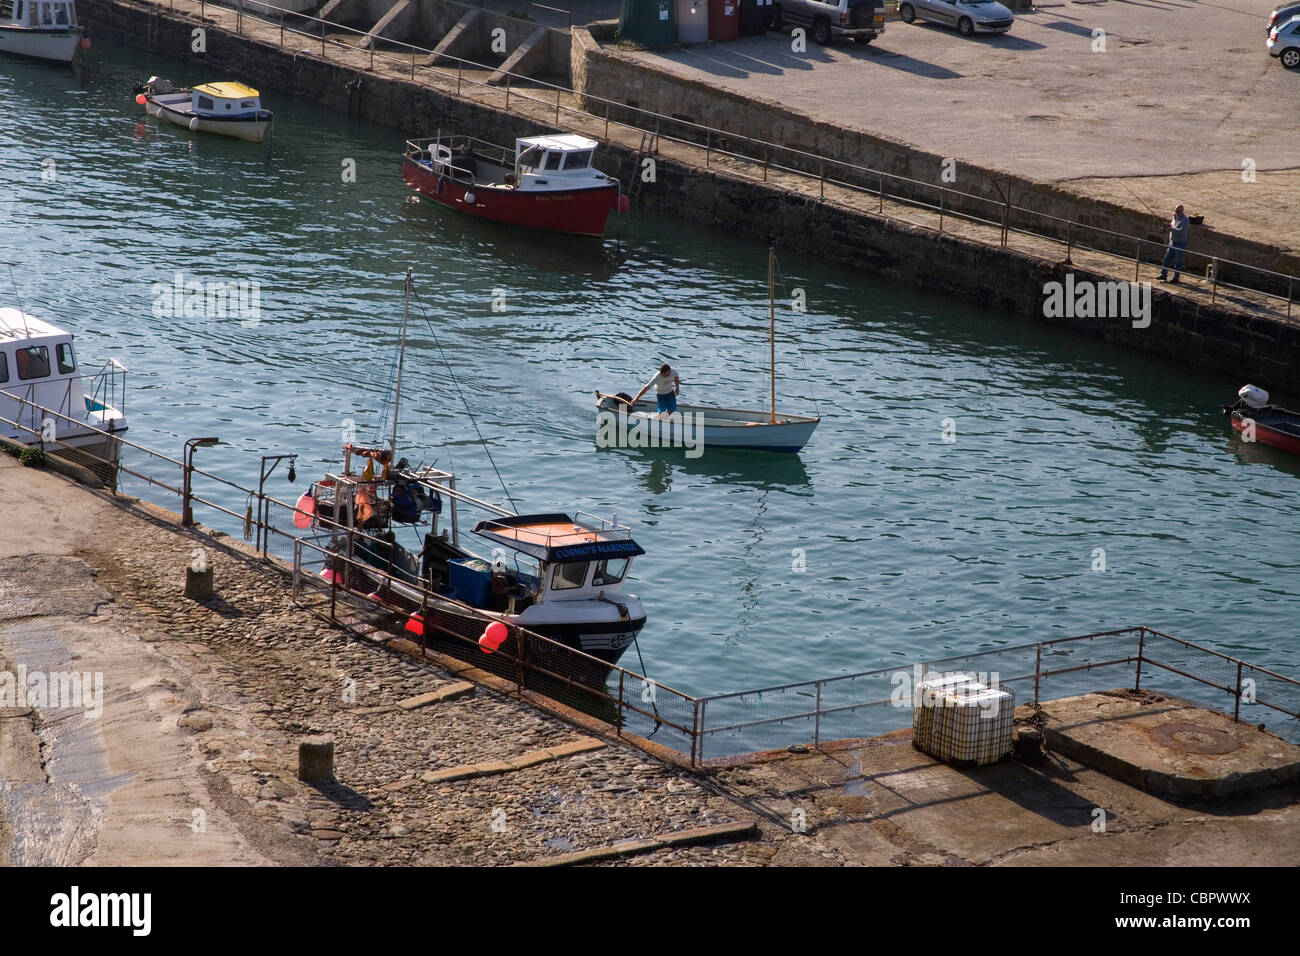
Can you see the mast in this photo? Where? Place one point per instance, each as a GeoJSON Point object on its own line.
{"type": "Point", "coordinates": [771, 330]}
{"type": "Point", "coordinates": [401, 356]}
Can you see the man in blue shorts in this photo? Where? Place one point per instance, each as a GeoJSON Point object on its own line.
{"type": "Point", "coordinates": [666, 385]}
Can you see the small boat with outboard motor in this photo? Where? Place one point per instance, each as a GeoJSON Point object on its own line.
{"type": "Point", "coordinates": [558, 575]}
{"type": "Point", "coordinates": [226, 108]}
{"type": "Point", "coordinates": [1256, 420]}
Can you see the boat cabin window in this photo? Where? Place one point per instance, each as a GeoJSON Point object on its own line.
{"type": "Point", "coordinates": [530, 157]}
{"type": "Point", "coordinates": [552, 161]}
{"type": "Point", "coordinates": [19, 15]}
{"type": "Point", "coordinates": [61, 16]}
{"type": "Point", "coordinates": [4, 368]}
{"type": "Point", "coordinates": [248, 105]}
{"type": "Point", "coordinates": [569, 576]}
{"type": "Point", "coordinates": [33, 362]}
{"type": "Point", "coordinates": [578, 160]}
{"type": "Point", "coordinates": [205, 103]}
{"type": "Point", "coordinates": [609, 572]}
{"type": "Point", "coordinates": [47, 15]}
{"type": "Point", "coordinates": [6, 9]}
{"type": "Point", "coordinates": [63, 351]}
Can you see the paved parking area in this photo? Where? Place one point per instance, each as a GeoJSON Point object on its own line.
{"type": "Point", "coordinates": [1183, 88]}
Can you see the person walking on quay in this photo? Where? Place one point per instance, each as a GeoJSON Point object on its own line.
{"type": "Point", "coordinates": [1179, 227]}
{"type": "Point", "coordinates": [666, 385]}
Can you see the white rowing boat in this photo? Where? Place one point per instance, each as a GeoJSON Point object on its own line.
{"type": "Point", "coordinates": [622, 424]}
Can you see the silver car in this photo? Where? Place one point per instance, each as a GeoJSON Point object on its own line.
{"type": "Point", "coordinates": [968, 16]}
{"type": "Point", "coordinates": [1281, 15]}
{"type": "Point", "coordinates": [1284, 43]}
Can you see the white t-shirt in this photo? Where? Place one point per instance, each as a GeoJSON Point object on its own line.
{"type": "Point", "coordinates": [664, 383]}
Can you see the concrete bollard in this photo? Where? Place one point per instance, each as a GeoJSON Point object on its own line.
{"type": "Point", "coordinates": [198, 584]}
{"type": "Point", "coordinates": [1027, 744]}
{"type": "Point", "coordinates": [316, 760]}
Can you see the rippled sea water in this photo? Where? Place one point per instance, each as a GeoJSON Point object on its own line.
{"type": "Point", "coordinates": [911, 547]}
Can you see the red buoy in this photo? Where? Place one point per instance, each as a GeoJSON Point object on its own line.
{"type": "Point", "coordinates": [85, 43]}
{"type": "Point", "coordinates": [494, 636]}
{"type": "Point", "coordinates": [140, 99]}
{"type": "Point", "coordinates": [624, 204]}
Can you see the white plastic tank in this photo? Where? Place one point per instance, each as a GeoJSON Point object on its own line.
{"type": "Point", "coordinates": [961, 721]}
{"type": "Point", "coordinates": [692, 21]}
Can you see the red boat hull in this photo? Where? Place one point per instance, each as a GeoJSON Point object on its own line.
{"type": "Point", "coordinates": [578, 211]}
{"type": "Point", "coordinates": [1268, 436]}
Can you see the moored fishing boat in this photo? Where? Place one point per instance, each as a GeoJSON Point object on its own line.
{"type": "Point", "coordinates": [624, 422]}
{"type": "Point", "coordinates": [1257, 420]}
{"type": "Point", "coordinates": [41, 30]}
{"type": "Point", "coordinates": [38, 371]}
{"type": "Point", "coordinates": [226, 108]}
{"type": "Point", "coordinates": [545, 182]}
{"type": "Point", "coordinates": [557, 575]}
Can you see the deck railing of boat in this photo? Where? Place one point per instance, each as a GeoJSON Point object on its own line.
{"type": "Point", "coordinates": [913, 201]}
{"type": "Point", "coordinates": [107, 388]}
{"type": "Point", "coordinates": [705, 730]}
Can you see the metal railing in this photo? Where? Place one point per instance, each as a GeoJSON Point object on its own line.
{"type": "Point", "coordinates": [703, 729]}
{"type": "Point", "coordinates": [760, 158]}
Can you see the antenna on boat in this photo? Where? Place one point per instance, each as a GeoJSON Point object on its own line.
{"type": "Point", "coordinates": [771, 317]}
{"type": "Point", "coordinates": [21, 310]}
{"type": "Point", "coordinates": [401, 355]}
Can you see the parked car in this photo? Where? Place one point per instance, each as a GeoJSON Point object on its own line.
{"type": "Point", "coordinates": [1284, 43]}
{"type": "Point", "coordinates": [968, 16]}
{"type": "Point", "coordinates": [863, 20]}
{"type": "Point", "coordinates": [1281, 15]}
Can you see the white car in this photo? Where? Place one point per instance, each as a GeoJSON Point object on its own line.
{"type": "Point", "coordinates": [968, 16]}
{"type": "Point", "coordinates": [1284, 43]}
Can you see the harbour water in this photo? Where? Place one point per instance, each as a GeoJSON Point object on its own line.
{"type": "Point", "coordinates": [1084, 487]}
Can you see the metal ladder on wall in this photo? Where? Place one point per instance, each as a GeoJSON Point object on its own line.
{"type": "Point", "coordinates": [151, 40]}
{"type": "Point", "coordinates": [649, 147]}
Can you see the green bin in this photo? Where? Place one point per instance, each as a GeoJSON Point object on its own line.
{"type": "Point", "coordinates": [648, 22]}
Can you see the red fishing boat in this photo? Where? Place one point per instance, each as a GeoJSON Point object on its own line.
{"type": "Point", "coordinates": [1257, 420]}
{"type": "Point", "coordinates": [545, 182]}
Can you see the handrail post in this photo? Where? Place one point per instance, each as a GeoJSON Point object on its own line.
{"type": "Point", "coordinates": [460, 64]}
{"type": "Point", "coordinates": [372, 55]}
{"type": "Point", "coordinates": [507, 91]}
{"type": "Point", "coordinates": [817, 719]}
{"type": "Point", "coordinates": [412, 61]}
{"type": "Point", "coordinates": [943, 193]}
{"type": "Point", "coordinates": [619, 711]}
{"type": "Point", "coordinates": [765, 162]}
{"type": "Point", "coordinates": [1069, 243]}
{"type": "Point", "coordinates": [1142, 633]}
{"type": "Point", "coordinates": [708, 146]}
{"type": "Point", "coordinates": [1006, 221]}
{"type": "Point", "coordinates": [1038, 667]}
{"type": "Point", "coordinates": [322, 38]}
{"type": "Point", "coordinates": [607, 119]}
{"type": "Point", "coordinates": [1214, 283]}
{"type": "Point", "coordinates": [282, 29]}
{"type": "Point", "coordinates": [239, 19]}
{"type": "Point", "coordinates": [1137, 259]}
{"type": "Point", "coordinates": [1236, 710]}
{"type": "Point", "coordinates": [880, 190]}
{"type": "Point", "coordinates": [557, 104]}
{"type": "Point", "coordinates": [1290, 282]}
{"type": "Point", "coordinates": [822, 184]}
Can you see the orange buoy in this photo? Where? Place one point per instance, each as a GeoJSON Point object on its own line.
{"type": "Point", "coordinates": [494, 636]}
{"type": "Point", "coordinates": [141, 99]}
{"type": "Point", "coordinates": [85, 43]}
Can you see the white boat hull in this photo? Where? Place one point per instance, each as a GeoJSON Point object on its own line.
{"type": "Point", "coordinates": [250, 130]}
{"type": "Point", "coordinates": [58, 46]}
{"type": "Point", "coordinates": [698, 427]}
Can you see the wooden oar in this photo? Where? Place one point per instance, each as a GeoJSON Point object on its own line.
{"type": "Point", "coordinates": [600, 394]}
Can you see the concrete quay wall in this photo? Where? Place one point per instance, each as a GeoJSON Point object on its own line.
{"type": "Point", "coordinates": [1253, 348]}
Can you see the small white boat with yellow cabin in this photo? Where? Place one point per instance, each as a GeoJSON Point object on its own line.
{"type": "Point", "coordinates": [228, 108]}
{"type": "Point", "coordinates": [41, 29]}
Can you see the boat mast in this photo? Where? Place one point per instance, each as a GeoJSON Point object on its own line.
{"type": "Point", "coordinates": [771, 331]}
{"type": "Point", "coordinates": [401, 356]}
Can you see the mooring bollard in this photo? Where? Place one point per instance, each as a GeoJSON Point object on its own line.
{"type": "Point", "coordinates": [316, 760]}
{"type": "Point", "coordinates": [198, 584]}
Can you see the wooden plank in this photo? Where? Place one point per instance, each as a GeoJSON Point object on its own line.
{"type": "Point", "coordinates": [530, 759]}
{"type": "Point", "coordinates": [721, 831]}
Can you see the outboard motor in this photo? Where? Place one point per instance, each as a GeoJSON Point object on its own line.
{"type": "Point", "coordinates": [1254, 397]}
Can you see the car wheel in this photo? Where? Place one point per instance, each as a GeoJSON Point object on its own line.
{"type": "Point", "coordinates": [906, 12]}
{"type": "Point", "coordinates": [965, 26]}
{"type": "Point", "coordinates": [821, 32]}
{"type": "Point", "coordinates": [1290, 58]}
